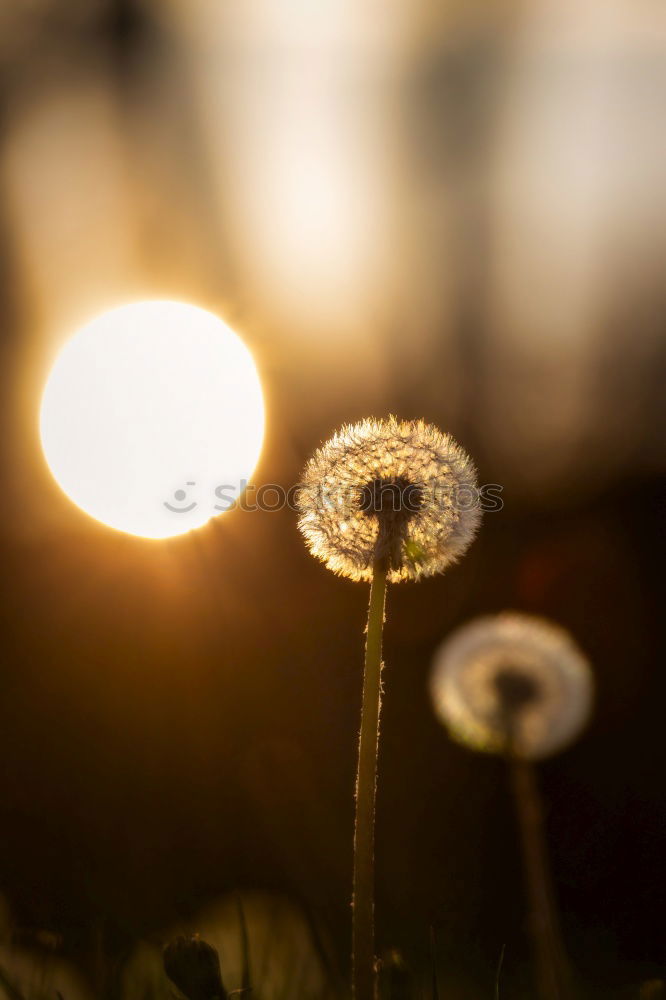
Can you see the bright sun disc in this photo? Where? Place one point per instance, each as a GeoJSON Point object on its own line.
{"type": "Point", "coordinates": [152, 418]}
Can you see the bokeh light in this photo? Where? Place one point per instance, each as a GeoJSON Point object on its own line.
{"type": "Point", "coordinates": [152, 418]}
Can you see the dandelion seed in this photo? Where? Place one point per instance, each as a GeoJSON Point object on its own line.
{"type": "Point", "coordinates": [398, 489]}
{"type": "Point", "coordinates": [512, 680]}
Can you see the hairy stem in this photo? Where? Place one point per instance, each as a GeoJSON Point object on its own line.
{"type": "Point", "coordinates": [363, 944]}
{"type": "Point", "coordinates": [553, 976]}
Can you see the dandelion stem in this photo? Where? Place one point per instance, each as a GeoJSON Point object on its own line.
{"type": "Point", "coordinates": [553, 976]}
{"type": "Point", "coordinates": [363, 947]}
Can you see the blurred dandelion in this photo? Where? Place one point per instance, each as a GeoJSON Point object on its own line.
{"type": "Point", "coordinates": [383, 501]}
{"type": "Point", "coordinates": [512, 684]}
{"type": "Point", "coordinates": [519, 686]}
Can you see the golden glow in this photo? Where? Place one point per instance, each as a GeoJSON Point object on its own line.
{"type": "Point", "coordinates": [148, 410]}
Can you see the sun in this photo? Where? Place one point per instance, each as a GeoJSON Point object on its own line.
{"type": "Point", "coordinates": [152, 418]}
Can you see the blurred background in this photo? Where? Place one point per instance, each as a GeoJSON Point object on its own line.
{"type": "Point", "coordinates": [449, 211]}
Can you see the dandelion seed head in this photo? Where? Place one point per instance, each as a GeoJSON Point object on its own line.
{"type": "Point", "coordinates": [398, 489]}
{"type": "Point", "coordinates": [512, 683]}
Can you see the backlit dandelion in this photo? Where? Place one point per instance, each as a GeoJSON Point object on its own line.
{"type": "Point", "coordinates": [512, 682]}
{"type": "Point", "coordinates": [383, 501]}
{"type": "Point", "coordinates": [401, 489]}
{"type": "Point", "coordinates": [519, 686]}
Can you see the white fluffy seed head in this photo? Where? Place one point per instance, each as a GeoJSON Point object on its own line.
{"type": "Point", "coordinates": [512, 683]}
{"type": "Point", "coordinates": [399, 485]}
